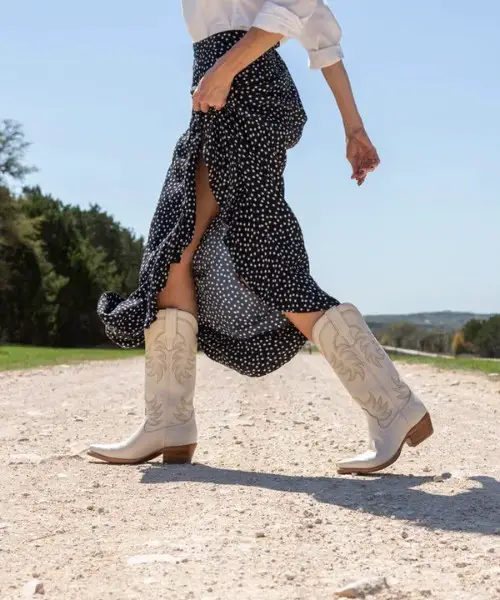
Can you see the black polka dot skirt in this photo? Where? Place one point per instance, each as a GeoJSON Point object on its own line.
{"type": "Point", "coordinates": [251, 265]}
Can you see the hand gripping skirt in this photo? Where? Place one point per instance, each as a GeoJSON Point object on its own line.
{"type": "Point", "coordinates": [251, 265]}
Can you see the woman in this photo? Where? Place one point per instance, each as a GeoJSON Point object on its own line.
{"type": "Point", "coordinates": [225, 264]}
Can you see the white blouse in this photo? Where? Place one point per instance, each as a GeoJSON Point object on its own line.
{"type": "Point", "coordinates": [309, 21]}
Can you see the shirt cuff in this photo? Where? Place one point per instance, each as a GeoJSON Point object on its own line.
{"type": "Point", "coordinates": [277, 19]}
{"type": "Point", "coordinates": [319, 59]}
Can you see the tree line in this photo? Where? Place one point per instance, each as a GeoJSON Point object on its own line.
{"type": "Point", "coordinates": [477, 338]}
{"type": "Point", "coordinates": [55, 259]}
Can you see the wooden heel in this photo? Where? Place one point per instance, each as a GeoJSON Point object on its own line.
{"type": "Point", "coordinates": [178, 455]}
{"type": "Point", "coordinates": [422, 430]}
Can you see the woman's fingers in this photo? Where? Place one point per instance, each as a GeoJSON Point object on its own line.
{"type": "Point", "coordinates": [204, 102]}
{"type": "Point", "coordinates": [196, 101]}
{"type": "Point", "coordinates": [211, 93]}
{"type": "Point", "coordinates": [218, 104]}
{"type": "Point", "coordinates": [199, 102]}
{"type": "Point", "coordinates": [363, 157]}
{"type": "Point", "coordinates": [363, 161]}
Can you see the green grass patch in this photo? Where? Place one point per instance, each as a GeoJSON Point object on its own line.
{"type": "Point", "coordinates": [28, 357]}
{"type": "Point", "coordinates": [453, 364]}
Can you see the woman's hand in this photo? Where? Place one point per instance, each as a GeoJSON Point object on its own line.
{"type": "Point", "coordinates": [362, 155]}
{"type": "Point", "coordinates": [213, 90]}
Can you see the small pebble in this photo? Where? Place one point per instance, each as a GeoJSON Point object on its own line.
{"type": "Point", "coordinates": [33, 588]}
{"type": "Point", "coordinates": [362, 588]}
{"type": "Point", "coordinates": [150, 558]}
{"type": "Point", "coordinates": [25, 459]}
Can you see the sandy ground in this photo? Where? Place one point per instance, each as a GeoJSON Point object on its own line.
{"type": "Point", "coordinates": [262, 513]}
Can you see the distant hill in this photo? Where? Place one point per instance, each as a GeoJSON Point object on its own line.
{"type": "Point", "coordinates": [445, 320]}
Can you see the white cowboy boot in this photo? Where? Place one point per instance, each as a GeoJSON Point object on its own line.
{"type": "Point", "coordinates": [395, 415]}
{"type": "Point", "coordinates": [169, 427]}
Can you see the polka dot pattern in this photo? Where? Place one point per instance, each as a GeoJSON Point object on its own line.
{"type": "Point", "coordinates": [251, 265]}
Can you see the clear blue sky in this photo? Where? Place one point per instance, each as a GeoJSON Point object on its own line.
{"type": "Point", "coordinates": [102, 89]}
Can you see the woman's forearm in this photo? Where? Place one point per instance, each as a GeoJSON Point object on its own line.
{"type": "Point", "coordinates": [254, 44]}
{"type": "Point", "coordinates": [338, 80]}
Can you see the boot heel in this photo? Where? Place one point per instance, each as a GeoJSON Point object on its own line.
{"type": "Point", "coordinates": [178, 455]}
{"type": "Point", "coordinates": [422, 430]}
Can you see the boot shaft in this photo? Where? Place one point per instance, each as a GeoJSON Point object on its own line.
{"type": "Point", "coordinates": [170, 374]}
{"type": "Point", "coordinates": [363, 366]}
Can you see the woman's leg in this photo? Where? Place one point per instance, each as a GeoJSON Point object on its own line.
{"type": "Point", "coordinates": [180, 291]}
{"type": "Point", "coordinates": [305, 322]}
{"type": "Point", "coordinates": [169, 427]}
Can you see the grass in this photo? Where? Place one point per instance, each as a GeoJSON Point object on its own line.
{"type": "Point", "coordinates": [454, 364]}
{"type": "Point", "coordinates": [28, 357]}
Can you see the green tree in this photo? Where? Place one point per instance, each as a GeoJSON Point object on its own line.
{"type": "Point", "coordinates": [471, 329]}
{"type": "Point", "coordinates": [435, 342]}
{"type": "Point", "coordinates": [20, 274]}
{"type": "Point", "coordinates": [13, 148]}
{"type": "Point", "coordinates": [85, 252]}
{"type": "Point", "coordinates": [55, 259]}
{"type": "Point", "coordinates": [401, 335]}
{"type": "Point", "coordinates": [488, 338]}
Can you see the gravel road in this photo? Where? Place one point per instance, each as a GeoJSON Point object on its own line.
{"type": "Point", "coordinates": [262, 514]}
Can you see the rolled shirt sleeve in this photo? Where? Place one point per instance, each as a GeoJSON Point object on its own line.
{"type": "Point", "coordinates": [321, 37]}
{"type": "Point", "coordinates": [288, 17]}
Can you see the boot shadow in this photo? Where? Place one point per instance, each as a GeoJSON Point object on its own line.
{"type": "Point", "coordinates": [476, 510]}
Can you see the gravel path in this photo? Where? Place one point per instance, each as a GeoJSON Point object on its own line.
{"type": "Point", "coordinates": [262, 514]}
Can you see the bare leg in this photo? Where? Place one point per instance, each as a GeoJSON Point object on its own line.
{"type": "Point", "coordinates": [180, 290]}
{"type": "Point", "coordinates": [305, 322]}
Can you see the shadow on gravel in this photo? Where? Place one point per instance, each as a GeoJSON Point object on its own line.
{"type": "Point", "coordinates": [474, 510]}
